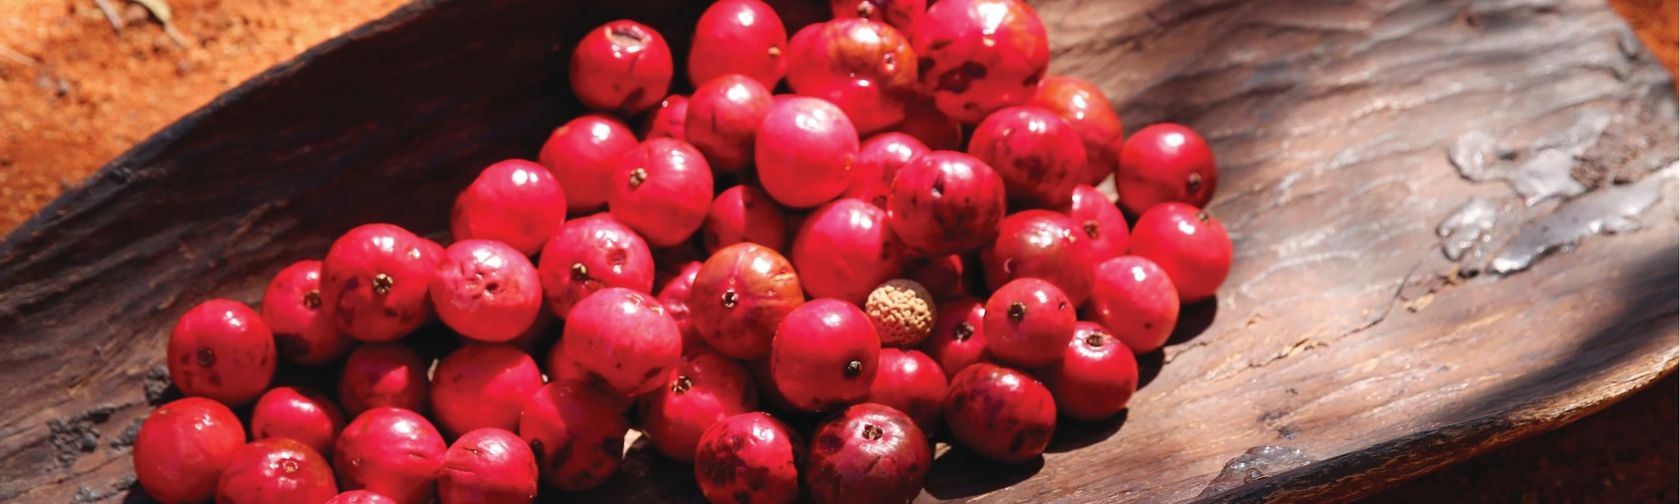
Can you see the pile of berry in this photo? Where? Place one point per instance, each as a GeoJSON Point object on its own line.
{"type": "Point", "coordinates": [901, 287]}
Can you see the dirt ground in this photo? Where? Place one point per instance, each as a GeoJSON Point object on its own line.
{"type": "Point", "coordinates": [76, 91]}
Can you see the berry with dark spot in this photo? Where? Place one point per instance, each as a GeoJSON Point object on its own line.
{"type": "Point", "coordinates": [1135, 300]}
{"type": "Point", "coordinates": [706, 389]}
{"type": "Point", "coordinates": [183, 447]}
{"type": "Point", "coordinates": [582, 155]}
{"type": "Point", "coordinates": [590, 254]}
{"type": "Point", "coordinates": [825, 354]}
{"type": "Point", "coordinates": [959, 339]}
{"type": "Point", "coordinates": [944, 203]}
{"type": "Point", "coordinates": [381, 375]}
{"type": "Point", "coordinates": [662, 190]}
{"type": "Point", "coordinates": [576, 432]}
{"type": "Point", "coordinates": [1188, 244]}
{"type": "Point", "coordinates": [978, 56]}
{"type": "Point", "coordinates": [739, 298]}
{"type": "Point", "coordinates": [1039, 156]}
{"type": "Point", "coordinates": [744, 214]}
{"type": "Point", "coordinates": [486, 290]}
{"type": "Point", "coordinates": [490, 466]}
{"type": "Point", "coordinates": [374, 282]}
{"type": "Point", "coordinates": [750, 458]}
{"type": "Point", "coordinates": [1100, 222]}
{"type": "Point", "coordinates": [805, 149]}
{"type": "Point", "coordinates": [723, 119]}
{"type": "Point", "coordinates": [483, 385]}
{"type": "Point", "coordinates": [1000, 413]}
{"type": "Point", "coordinates": [942, 276]}
{"type": "Point", "coordinates": [911, 382]}
{"type": "Point", "coordinates": [1084, 107]}
{"type": "Point", "coordinates": [844, 249]}
{"type": "Point", "coordinates": [878, 162]}
{"type": "Point", "coordinates": [394, 452]}
{"type": "Point", "coordinates": [221, 349]}
{"type": "Point", "coordinates": [1096, 378]}
{"type": "Point", "coordinates": [1163, 163]}
{"type": "Point", "coordinates": [1028, 323]}
{"type": "Point", "coordinates": [738, 37]}
{"type": "Point", "coordinates": [868, 453]}
{"type": "Point", "coordinates": [622, 66]}
{"type": "Point", "coordinates": [298, 414]}
{"type": "Point", "coordinates": [864, 67]}
{"type": "Point", "coordinates": [292, 309]}
{"type": "Point", "coordinates": [625, 337]}
{"type": "Point", "coordinates": [276, 471]}
{"type": "Point", "coordinates": [925, 122]}
{"type": "Point", "coordinates": [516, 202]}
{"type": "Point", "coordinates": [1041, 244]}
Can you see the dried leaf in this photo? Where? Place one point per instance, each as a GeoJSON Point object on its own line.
{"type": "Point", "coordinates": [159, 8]}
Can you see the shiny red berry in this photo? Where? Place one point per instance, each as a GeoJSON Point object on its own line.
{"type": "Point", "coordinates": [945, 202]}
{"type": "Point", "coordinates": [1038, 155]}
{"type": "Point", "coordinates": [516, 202]}
{"type": "Point", "coordinates": [864, 67]}
{"type": "Point", "coordinates": [959, 338]}
{"type": "Point", "coordinates": [221, 349]}
{"type": "Point", "coordinates": [486, 290]}
{"type": "Point", "coordinates": [276, 471]}
{"type": "Point", "coordinates": [361, 497]}
{"type": "Point", "coordinates": [374, 281]}
{"type": "Point", "coordinates": [490, 466]}
{"type": "Point", "coordinates": [668, 119]}
{"type": "Point", "coordinates": [1000, 413]}
{"type": "Point", "coordinates": [1041, 244]}
{"type": "Point", "coordinates": [383, 375]}
{"type": "Point", "coordinates": [576, 432]}
{"type": "Point", "coordinates": [1102, 224]}
{"type": "Point", "coordinates": [1097, 376]}
{"type": "Point", "coordinates": [844, 249]}
{"type": "Point", "coordinates": [740, 296]}
{"type": "Point", "coordinates": [625, 337]}
{"type": "Point", "coordinates": [924, 121]}
{"type": "Point", "coordinates": [901, 14]}
{"type": "Point", "coordinates": [723, 119]}
{"type": "Point", "coordinates": [942, 276]}
{"type": "Point", "coordinates": [292, 309]}
{"type": "Point", "coordinates": [978, 56]}
{"type": "Point", "coordinates": [1133, 298]}
{"type": "Point", "coordinates": [582, 155]}
{"type": "Point", "coordinates": [622, 66]}
{"type": "Point", "coordinates": [1028, 322]}
{"type": "Point", "coordinates": [741, 37]}
{"type": "Point", "coordinates": [1190, 245]}
{"type": "Point", "coordinates": [825, 354]}
{"type": "Point", "coordinates": [674, 296]}
{"type": "Point", "coordinates": [182, 448]}
{"type": "Point", "coordinates": [483, 385]}
{"type": "Point", "coordinates": [590, 254]}
{"type": "Point", "coordinates": [1084, 107]}
{"type": "Point", "coordinates": [878, 162]}
{"type": "Point", "coordinates": [744, 214]}
{"type": "Point", "coordinates": [393, 452]}
{"type": "Point", "coordinates": [1165, 163]}
{"type": "Point", "coordinates": [298, 414]}
{"type": "Point", "coordinates": [868, 453]}
{"type": "Point", "coordinates": [805, 149]}
{"type": "Point", "coordinates": [662, 190]}
{"type": "Point", "coordinates": [706, 389]}
{"type": "Point", "coordinates": [911, 382]}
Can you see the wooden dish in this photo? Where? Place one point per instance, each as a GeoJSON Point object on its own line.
{"type": "Point", "coordinates": [1345, 349]}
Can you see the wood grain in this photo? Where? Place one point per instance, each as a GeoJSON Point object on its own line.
{"type": "Point", "coordinates": [1342, 332]}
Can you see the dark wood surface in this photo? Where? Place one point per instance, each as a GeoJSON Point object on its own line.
{"type": "Point", "coordinates": [1343, 336]}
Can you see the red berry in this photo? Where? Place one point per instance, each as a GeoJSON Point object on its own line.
{"type": "Point", "coordinates": [491, 466]}
{"type": "Point", "coordinates": [480, 386]}
{"type": "Point", "coordinates": [942, 276]}
{"type": "Point", "coordinates": [706, 389]}
{"type": "Point", "coordinates": [590, 254]}
{"type": "Point", "coordinates": [869, 453]}
{"type": "Point", "coordinates": [1133, 298]}
{"type": "Point", "coordinates": [221, 349]}
{"type": "Point", "coordinates": [1165, 163]}
{"type": "Point", "coordinates": [625, 337]}
{"type": "Point", "coordinates": [925, 122]}
{"type": "Point", "coordinates": [740, 297]}
{"type": "Point", "coordinates": [394, 452]}
{"type": "Point", "coordinates": [1028, 321]}
{"type": "Point", "coordinates": [1097, 376]}
{"type": "Point", "coordinates": [1000, 413]}
{"type": "Point", "coordinates": [674, 296]}
{"type": "Point", "coordinates": [805, 149]}
{"type": "Point", "coordinates": [824, 355]}
{"type": "Point", "coordinates": [1085, 107]}
{"type": "Point", "coordinates": [622, 66]}
{"type": "Point", "coordinates": [576, 432]}
{"type": "Point", "coordinates": [383, 375]}
{"type": "Point", "coordinates": [182, 448]}
{"type": "Point", "coordinates": [1190, 245]}
{"type": "Point", "coordinates": [1041, 244]}
{"type": "Point", "coordinates": [277, 471]}
{"type": "Point", "coordinates": [944, 203]}
{"type": "Point", "coordinates": [486, 290]}
{"type": "Point", "coordinates": [738, 36]}
{"type": "Point", "coordinates": [911, 382]}
{"type": "Point", "coordinates": [744, 214]}
{"type": "Point", "coordinates": [662, 190]}
{"type": "Point", "coordinates": [361, 497]}
{"type": "Point", "coordinates": [959, 339]}
{"type": "Point", "coordinates": [901, 14]}
{"type": "Point", "coordinates": [726, 113]}
{"type": "Point", "coordinates": [844, 249]}
{"type": "Point", "coordinates": [749, 458]}
{"type": "Point", "coordinates": [864, 67]}
{"type": "Point", "coordinates": [668, 120]}
{"type": "Point", "coordinates": [292, 309]}
{"type": "Point", "coordinates": [977, 56]}
{"type": "Point", "coordinates": [1103, 225]}
{"type": "Point", "coordinates": [516, 202]}
{"type": "Point", "coordinates": [374, 280]}
{"type": "Point", "coordinates": [298, 414]}
{"type": "Point", "coordinates": [582, 155]}
{"type": "Point", "coordinates": [1038, 155]}
{"type": "Point", "coordinates": [878, 162]}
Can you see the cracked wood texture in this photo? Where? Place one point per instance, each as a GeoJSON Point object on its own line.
{"type": "Point", "coordinates": [1342, 331]}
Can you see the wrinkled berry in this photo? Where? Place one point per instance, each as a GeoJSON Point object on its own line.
{"type": "Point", "coordinates": [622, 66]}
{"type": "Point", "coordinates": [488, 466]}
{"type": "Point", "coordinates": [576, 432]}
{"type": "Point", "coordinates": [625, 337]}
{"type": "Point", "coordinates": [1190, 245]}
{"type": "Point", "coordinates": [221, 349]}
{"type": "Point", "coordinates": [750, 458]}
{"type": "Point", "coordinates": [590, 254]}
{"type": "Point", "coordinates": [486, 290]}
